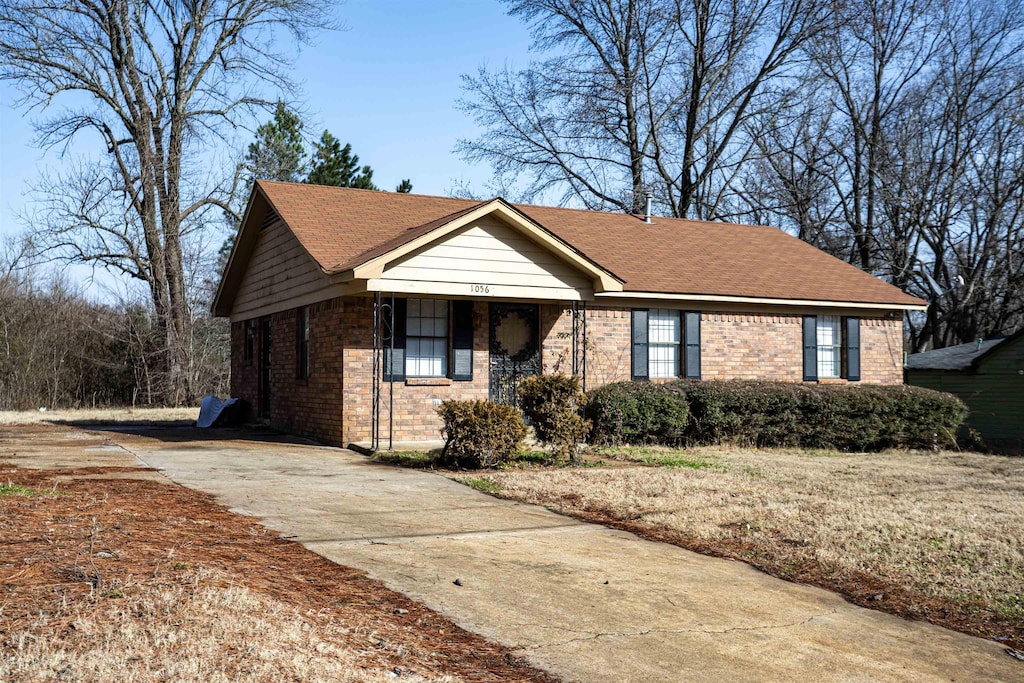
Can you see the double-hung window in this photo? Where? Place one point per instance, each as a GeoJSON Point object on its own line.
{"type": "Point", "coordinates": [426, 346]}
{"type": "Point", "coordinates": [663, 337]}
{"type": "Point", "coordinates": [831, 348]}
{"type": "Point", "coordinates": [829, 333]}
{"type": "Point", "coordinates": [666, 343]}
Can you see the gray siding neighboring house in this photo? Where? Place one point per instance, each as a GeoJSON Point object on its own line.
{"type": "Point", "coordinates": [988, 376]}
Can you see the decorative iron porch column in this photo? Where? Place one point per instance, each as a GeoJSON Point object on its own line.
{"type": "Point", "coordinates": [579, 341]}
{"type": "Point", "coordinates": [383, 355]}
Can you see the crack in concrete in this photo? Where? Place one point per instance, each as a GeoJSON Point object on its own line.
{"type": "Point", "coordinates": [633, 634]}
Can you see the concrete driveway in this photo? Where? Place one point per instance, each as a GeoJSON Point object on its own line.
{"type": "Point", "coordinates": [583, 601]}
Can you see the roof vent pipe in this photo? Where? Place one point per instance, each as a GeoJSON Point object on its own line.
{"type": "Point", "coordinates": [647, 212]}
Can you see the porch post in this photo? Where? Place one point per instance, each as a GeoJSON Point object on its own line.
{"type": "Point", "coordinates": [376, 375]}
{"type": "Point", "coordinates": [579, 341]}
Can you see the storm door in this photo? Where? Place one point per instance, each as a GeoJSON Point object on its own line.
{"type": "Point", "coordinates": [514, 349]}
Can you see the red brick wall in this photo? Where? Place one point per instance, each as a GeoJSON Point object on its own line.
{"type": "Point", "coordinates": [881, 350]}
{"type": "Point", "coordinates": [334, 404]}
{"type": "Point", "coordinates": [608, 345]}
{"type": "Point", "coordinates": [742, 346]}
{"type": "Point", "coordinates": [312, 406]}
{"type": "Point", "coordinates": [244, 373]}
{"type": "Point", "coordinates": [414, 402]}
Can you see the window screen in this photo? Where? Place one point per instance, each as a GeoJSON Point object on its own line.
{"type": "Point", "coordinates": [663, 343]}
{"type": "Point", "coordinates": [426, 350]}
{"type": "Point", "coordinates": [830, 344]}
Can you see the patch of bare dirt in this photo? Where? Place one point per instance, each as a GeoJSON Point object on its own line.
{"type": "Point", "coordinates": [88, 560]}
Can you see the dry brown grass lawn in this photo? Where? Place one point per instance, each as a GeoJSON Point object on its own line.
{"type": "Point", "coordinates": [180, 633]}
{"type": "Point", "coordinates": [99, 415]}
{"type": "Point", "coordinates": [938, 536]}
{"type": "Point", "coordinates": [104, 578]}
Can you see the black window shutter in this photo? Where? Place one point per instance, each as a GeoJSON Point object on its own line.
{"type": "Point", "coordinates": [810, 348]}
{"type": "Point", "coordinates": [462, 341]}
{"type": "Point", "coordinates": [640, 343]}
{"type": "Point", "coordinates": [853, 349]}
{"type": "Point", "coordinates": [394, 362]}
{"type": "Point", "coordinates": [691, 339]}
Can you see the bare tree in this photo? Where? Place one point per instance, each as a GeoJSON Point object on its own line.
{"type": "Point", "coordinates": [160, 82]}
{"type": "Point", "coordinates": [577, 122]}
{"type": "Point", "coordinates": [912, 170]}
{"type": "Point", "coordinates": [638, 96]}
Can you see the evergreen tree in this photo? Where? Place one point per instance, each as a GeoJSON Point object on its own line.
{"type": "Point", "coordinates": [405, 187]}
{"type": "Point", "coordinates": [335, 165]}
{"type": "Point", "coordinates": [278, 151]}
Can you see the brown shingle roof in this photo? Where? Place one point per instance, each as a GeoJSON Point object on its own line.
{"type": "Point", "coordinates": [342, 227]}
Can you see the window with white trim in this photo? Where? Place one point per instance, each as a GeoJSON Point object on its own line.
{"type": "Point", "coordinates": [426, 346]}
{"type": "Point", "coordinates": [663, 335]}
{"type": "Point", "coordinates": [830, 346]}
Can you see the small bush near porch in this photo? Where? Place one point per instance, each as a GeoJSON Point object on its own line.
{"type": "Point", "coordinates": [479, 434]}
{"type": "Point", "coordinates": [937, 536]}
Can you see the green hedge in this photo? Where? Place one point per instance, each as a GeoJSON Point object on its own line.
{"type": "Point", "coordinates": [637, 413]}
{"type": "Point", "coordinates": [769, 414]}
{"type": "Point", "coordinates": [480, 434]}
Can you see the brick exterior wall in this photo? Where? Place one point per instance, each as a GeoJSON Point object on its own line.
{"type": "Point", "coordinates": [741, 346]}
{"type": "Point", "coordinates": [881, 350]}
{"type": "Point", "coordinates": [309, 407]}
{"type": "Point", "coordinates": [415, 401]}
{"type": "Point", "coordinates": [334, 404]}
{"type": "Point", "coordinates": [244, 373]}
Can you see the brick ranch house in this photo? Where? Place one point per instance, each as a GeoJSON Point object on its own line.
{"type": "Point", "coordinates": [354, 313]}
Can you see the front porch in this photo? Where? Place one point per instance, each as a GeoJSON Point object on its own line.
{"type": "Point", "coordinates": [424, 351]}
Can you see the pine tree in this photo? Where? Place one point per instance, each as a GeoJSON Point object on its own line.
{"type": "Point", "coordinates": [278, 151]}
{"type": "Point", "coordinates": [405, 187]}
{"type": "Point", "coordinates": [335, 165]}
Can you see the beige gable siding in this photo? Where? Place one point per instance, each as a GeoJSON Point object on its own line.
{"type": "Point", "coordinates": [279, 271]}
{"type": "Point", "coordinates": [488, 254]}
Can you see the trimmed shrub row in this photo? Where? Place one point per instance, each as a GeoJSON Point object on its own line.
{"type": "Point", "coordinates": [637, 413]}
{"type": "Point", "coordinates": [770, 414]}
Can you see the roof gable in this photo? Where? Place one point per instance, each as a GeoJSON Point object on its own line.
{"type": "Point", "coordinates": [487, 256]}
{"type": "Point", "coordinates": [1005, 345]}
{"type": "Point", "coordinates": [969, 356]}
{"type": "Point", "coordinates": [371, 264]}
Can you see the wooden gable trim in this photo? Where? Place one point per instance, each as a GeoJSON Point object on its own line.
{"type": "Point", "coordinates": [604, 281]}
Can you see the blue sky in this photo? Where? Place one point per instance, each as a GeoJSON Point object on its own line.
{"type": "Point", "coordinates": [387, 84]}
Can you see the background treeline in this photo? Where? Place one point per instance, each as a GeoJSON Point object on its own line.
{"type": "Point", "coordinates": [889, 133]}
{"type": "Point", "coordinates": [60, 349]}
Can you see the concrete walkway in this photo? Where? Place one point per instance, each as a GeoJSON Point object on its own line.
{"type": "Point", "coordinates": [586, 602]}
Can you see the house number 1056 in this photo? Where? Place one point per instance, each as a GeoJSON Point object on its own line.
{"type": "Point", "coordinates": [480, 289]}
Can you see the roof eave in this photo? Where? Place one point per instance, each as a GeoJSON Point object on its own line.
{"type": "Point", "coordinates": [803, 303]}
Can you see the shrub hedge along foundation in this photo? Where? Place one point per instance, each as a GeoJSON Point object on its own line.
{"type": "Point", "coordinates": [637, 413]}
{"type": "Point", "coordinates": [769, 414]}
{"type": "Point", "coordinates": [480, 434]}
